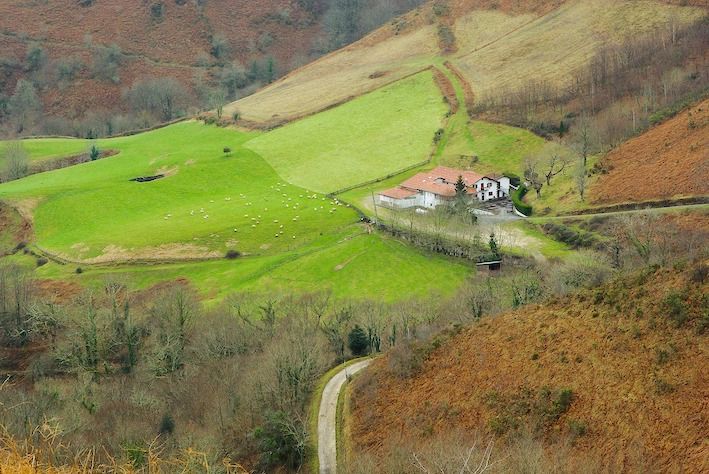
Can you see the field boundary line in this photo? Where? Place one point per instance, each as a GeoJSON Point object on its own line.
{"type": "Point", "coordinates": [640, 206]}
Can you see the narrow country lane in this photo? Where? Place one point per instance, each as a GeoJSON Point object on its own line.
{"type": "Point", "coordinates": [327, 417]}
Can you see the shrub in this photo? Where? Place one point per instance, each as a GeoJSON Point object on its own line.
{"type": "Point", "coordinates": [515, 180]}
{"type": "Point", "coordinates": [563, 401]}
{"type": "Point", "coordinates": [577, 428]}
{"type": "Point", "coordinates": [570, 236]}
{"type": "Point", "coordinates": [79, 270]}
{"type": "Point", "coordinates": [699, 273]}
{"type": "Point", "coordinates": [42, 261]}
{"type": "Point", "coordinates": [440, 9]}
{"type": "Point", "coordinates": [358, 341]}
{"type": "Point", "coordinates": [106, 60]}
{"type": "Point", "coordinates": [67, 68]}
{"type": "Point", "coordinates": [517, 196]}
{"type": "Point", "coordinates": [280, 440]}
{"type": "Point", "coordinates": [156, 11]}
{"type": "Point", "coordinates": [227, 151]}
{"type": "Point", "coordinates": [676, 308]}
{"type": "Point", "coordinates": [94, 152]}
{"type": "Point", "coordinates": [220, 47]}
{"type": "Point", "coordinates": [232, 254]}
{"type": "Point", "coordinates": [167, 424]}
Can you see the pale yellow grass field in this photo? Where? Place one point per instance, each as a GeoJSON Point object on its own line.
{"type": "Point", "coordinates": [479, 29]}
{"type": "Point", "coordinates": [339, 76]}
{"type": "Point", "coordinates": [554, 46]}
{"type": "Point", "coordinates": [496, 51]}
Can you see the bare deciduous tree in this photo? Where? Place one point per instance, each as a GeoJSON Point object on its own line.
{"type": "Point", "coordinates": [532, 175]}
{"type": "Point", "coordinates": [581, 177]}
{"type": "Point", "coordinates": [15, 161]}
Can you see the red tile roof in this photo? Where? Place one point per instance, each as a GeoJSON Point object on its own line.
{"type": "Point", "coordinates": [398, 193]}
{"type": "Point", "coordinates": [441, 181]}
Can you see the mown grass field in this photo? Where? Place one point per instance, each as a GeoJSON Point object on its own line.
{"type": "Point", "coordinates": [364, 139]}
{"type": "Point", "coordinates": [349, 264]}
{"type": "Point", "coordinates": [499, 148]}
{"type": "Point", "coordinates": [206, 203]}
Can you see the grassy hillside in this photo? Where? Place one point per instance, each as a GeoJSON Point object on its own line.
{"type": "Point", "coordinates": [364, 139]}
{"type": "Point", "coordinates": [497, 48]}
{"type": "Point", "coordinates": [339, 76]}
{"type": "Point", "coordinates": [616, 371]}
{"type": "Point", "coordinates": [499, 148]}
{"type": "Point", "coordinates": [350, 265]}
{"type": "Point", "coordinates": [208, 203]}
{"type": "Point", "coordinates": [554, 46]}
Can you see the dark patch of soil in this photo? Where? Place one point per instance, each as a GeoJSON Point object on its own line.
{"type": "Point", "coordinates": [67, 161]}
{"type": "Point", "coordinates": [149, 294]}
{"type": "Point", "coordinates": [447, 89]}
{"type": "Point", "coordinates": [147, 179]}
{"type": "Point", "coordinates": [12, 223]}
{"type": "Point", "coordinates": [57, 290]}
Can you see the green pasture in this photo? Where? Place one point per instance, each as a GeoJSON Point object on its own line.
{"type": "Point", "coordinates": [366, 138]}
{"type": "Point", "coordinates": [499, 148]}
{"type": "Point", "coordinates": [350, 264]}
{"type": "Point", "coordinates": [40, 149]}
{"type": "Point", "coordinates": [212, 201]}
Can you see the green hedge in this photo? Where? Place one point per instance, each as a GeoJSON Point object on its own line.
{"type": "Point", "coordinates": [517, 196]}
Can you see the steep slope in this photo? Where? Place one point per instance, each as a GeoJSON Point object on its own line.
{"type": "Point", "coordinates": [669, 160]}
{"type": "Point", "coordinates": [157, 39]}
{"type": "Point", "coordinates": [621, 369]}
{"type": "Point", "coordinates": [495, 44]}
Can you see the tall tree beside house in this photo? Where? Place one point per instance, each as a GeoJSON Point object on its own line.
{"type": "Point", "coordinates": [460, 188]}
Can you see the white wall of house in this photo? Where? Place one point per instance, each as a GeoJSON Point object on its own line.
{"type": "Point", "coordinates": [397, 203]}
{"type": "Point", "coordinates": [488, 188]}
{"type": "Point", "coordinates": [429, 199]}
{"type": "Point", "coordinates": [505, 185]}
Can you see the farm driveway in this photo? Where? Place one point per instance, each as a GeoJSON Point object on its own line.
{"type": "Point", "coordinates": [327, 418]}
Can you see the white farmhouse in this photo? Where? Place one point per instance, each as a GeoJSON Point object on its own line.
{"type": "Point", "coordinates": [432, 188]}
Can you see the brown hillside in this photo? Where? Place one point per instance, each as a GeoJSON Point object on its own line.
{"type": "Point", "coordinates": [669, 160]}
{"type": "Point", "coordinates": [154, 48]}
{"type": "Point", "coordinates": [639, 383]}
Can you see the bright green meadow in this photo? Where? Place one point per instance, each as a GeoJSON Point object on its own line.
{"type": "Point", "coordinates": [290, 238]}
{"type": "Point", "coordinates": [364, 139]}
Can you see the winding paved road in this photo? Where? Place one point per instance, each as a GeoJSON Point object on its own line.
{"type": "Point", "coordinates": [327, 418]}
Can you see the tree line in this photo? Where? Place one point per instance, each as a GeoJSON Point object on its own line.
{"type": "Point", "coordinates": [623, 90]}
